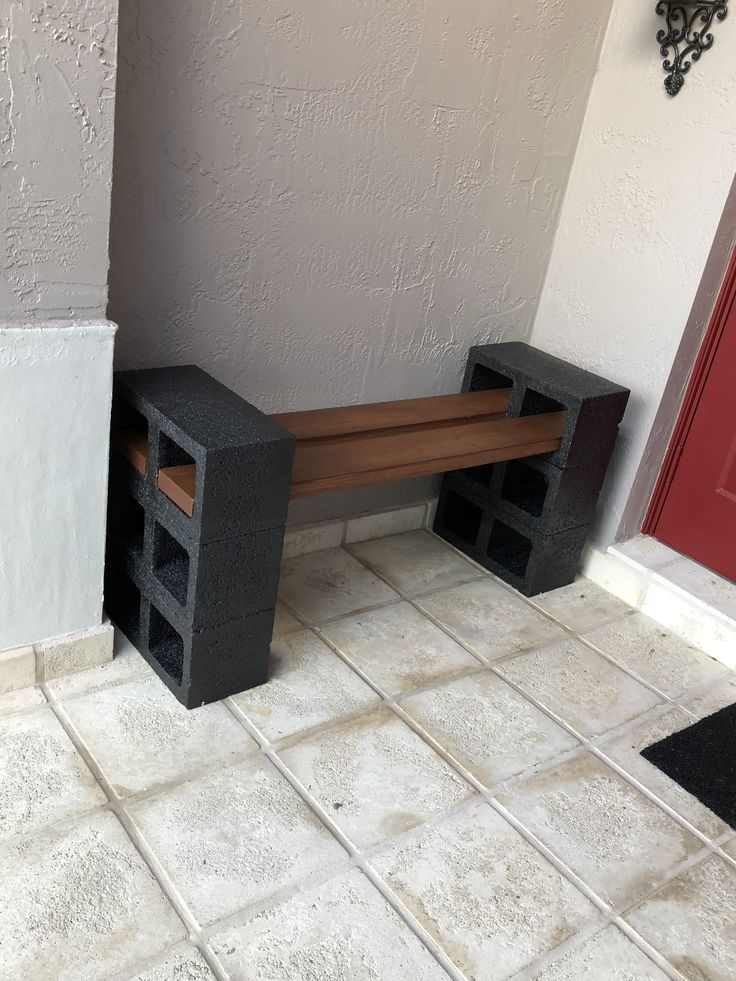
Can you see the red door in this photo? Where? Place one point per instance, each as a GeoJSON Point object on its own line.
{"type": "Point", "coordinates": [694, 510]}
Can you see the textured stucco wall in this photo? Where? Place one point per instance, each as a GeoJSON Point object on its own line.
{"type": "Point", "coordinates": [57, 90]}
{"type": "Point", "coordinates": [328, 203]}
{"type": "Point", "coordinates": [649, 183]}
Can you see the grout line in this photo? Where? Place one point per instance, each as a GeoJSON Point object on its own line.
{"type": "Point", "coordinates": [355, 856]}
{"type": "Point", "coordinates": [191, 926]}
{"type": "Point", "coordinates": [358, 859]}
{"type": "Point", "coordinates": [585, 741]}
{"type": "Point", "coordinates": [586, 744]}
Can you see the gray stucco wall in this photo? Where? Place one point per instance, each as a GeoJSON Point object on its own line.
{"type": "Point", "coordinates": [328, 203]}
{"type": "Point", "coordinates": [57, 92]}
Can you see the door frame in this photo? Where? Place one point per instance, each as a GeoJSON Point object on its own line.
{"type": "Point", "coordinates": [696, 384]}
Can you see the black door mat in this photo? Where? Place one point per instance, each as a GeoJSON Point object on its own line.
{"type": "Point", "coordinates": [702, 759]}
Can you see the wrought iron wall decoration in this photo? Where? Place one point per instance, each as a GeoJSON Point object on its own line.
{"type": "Point", "coordinates": [686, 36]}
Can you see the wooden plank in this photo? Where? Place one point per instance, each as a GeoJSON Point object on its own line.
{"type": "Point", "coordinates": [349, 457]}
{"type": "Point", "coordinates": [133, 445]}
{"type": "Point", "coordinates": [421, 468]}
{"type": "Point", "coordinates": [363, 458]}
{"type": "Point", "coordinates": [343, 462]}
{"type": "Point", "coordinates": [178, 484]}
{"type": "Point", "coordinates": [321, 423]}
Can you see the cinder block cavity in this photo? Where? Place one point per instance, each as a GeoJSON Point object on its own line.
{"type": "Point", "coordinates": [123, 603]}
{"type": "Point", "coordinates": [166, 645]}
{"type": "Point", "coordinates": [525, 487]}
{"type": "Point", "coordinates": [126, 519]}
{"type": "Point", "coordinates": [462, 518]}
{"type": "Point", "coordinates": [508, 549]}
{"type": "Point", "coordinates": [171, 564]}
{"type": "Point", "coordinates": [170, 454]}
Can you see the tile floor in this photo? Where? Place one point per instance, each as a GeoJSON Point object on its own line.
{"type": "Point", "coordinates": [442, 779]}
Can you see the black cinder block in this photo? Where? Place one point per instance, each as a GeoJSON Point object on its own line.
{"type": "Point", "coordinates": [216, 583]}
{"type": "Point", "coordinates": [543, 496]}
{"type": "Point", "coordinates": [197, 594]}
{"type": "Point", "coordinates": [543, 383]}
{"type": "Point", "coordinates": [521, 555]}
{"type": "Point", "coordinates": [243, 458]}
{"type": "Point", "coordinates": [204, 666]}
{"type": "Point", "coordinates": [529, 561]}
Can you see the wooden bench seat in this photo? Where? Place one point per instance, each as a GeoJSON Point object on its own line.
{"type": "Point", "coordinates": [354, 446]}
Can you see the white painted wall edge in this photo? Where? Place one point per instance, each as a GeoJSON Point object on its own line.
{"type": "Point", "coordinates": [55, 395]}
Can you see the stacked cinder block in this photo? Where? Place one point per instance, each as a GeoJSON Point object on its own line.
{"type": "Point", "coordinates": [527, 520]}
{"type": "Point", "coordinates": [197, 594]}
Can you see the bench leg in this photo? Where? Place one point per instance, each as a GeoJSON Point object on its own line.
{"type": "Point", "coordinates": [528, 520]}
{"type": "Point", "coordinates": [195, 590]}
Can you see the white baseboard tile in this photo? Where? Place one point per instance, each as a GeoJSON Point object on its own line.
{"type": "Point", "coordinates": [621, 571]}
{"type": "Point", "coordinates": [74, 652]}
{"type": "Point", "coordinates": [17, 669]}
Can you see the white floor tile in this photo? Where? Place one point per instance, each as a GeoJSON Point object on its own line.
{"type": "Point", "coordinates": [399, 649]}
{"type": "Point", "coordinates": [42, 777]}
{"type": "Point", "coordinates": [184, 963]}
{"type": "Point", "coordinates": [715, 698]}
{"type": "Point", "coordinates": [22, 700]}
{"type": "Point", "coordinates": [375, 777]}
{"type": "Point", "coordinates": [485, 895]}
{"type": "Point", "coordinates": [308, 685]}
{"type": "Point", "coordinates": [656, 655]}
{"type": "Point", "coordinates": [581, 687]}
{"type": "Point", "coordinates": [488, 727]}
{"type": "Point", "coordinates": [581, 605]}
{"type": "Point", "coordinates": [415, 562]}
{"type": "Point", "coordinates": [284, 623]}
{"type": "Point", "coordinates": [80, 903]}
{"type": "Point", "coordinates": [328, 584]}
{"type": "Point", "coordinates": [235, 837]}
{"type": "Point", "coordinates": [490, 619]}
{"type": "Point", "coordinates": [141, 737]}
{"type": "Point", "coordinates": [344, 929]}
{"type": "Point", "coordinates": [606, 956]}
{"type": "Point", "coordinates": [126, 664]}
{"type": "Point", "coordinates": [618, 842]}
{"type": "Point", "coordinates": [625, 750]}
{"type": "Point", "coordinates": [692, 921]}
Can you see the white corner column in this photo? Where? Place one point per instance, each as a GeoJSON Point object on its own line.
{"type": "Point", "coordinates": [55, 394]}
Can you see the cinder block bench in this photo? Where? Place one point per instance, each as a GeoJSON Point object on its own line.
{"type": "Point", "coordinates": [200, 482]}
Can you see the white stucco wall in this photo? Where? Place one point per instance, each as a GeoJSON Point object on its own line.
{"type": "Point", "coordinates": [647, 189]}
{"type": "Point", "coordinates": [57, 88]}
{"type": "Point", "coordinates": [328, 203]}
{"type": "Point", "coordinates": [55, 384]}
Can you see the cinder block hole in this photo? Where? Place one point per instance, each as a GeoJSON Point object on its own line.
{"type": "Point", "coordinates": [462, 517]}
{"type": "Point", "coordinates": [170, 454]}
{"type": "Point", "coordinates": [525, 487]}
{"type": "Point", "coordinates": [123, 604]}
{"type": "Point", "coordinates": [481, 475]}
{"type": "Point", "coordinates": [170, 564]}
{"type": "Point", "coordinates": [534, 402]}
{"type": "Point", "coordinates": [166, 645]}
{"type": "Point", "coordinates": [509, 549]}
{"type": "Point", "coordinates": [126, 520]}
{"type": "Point", "coordinates": [484, 378]}
{"type": "Point", "coordinates": [129, 436]}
